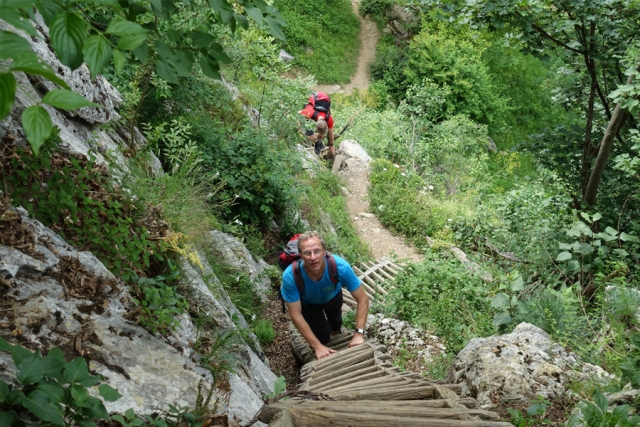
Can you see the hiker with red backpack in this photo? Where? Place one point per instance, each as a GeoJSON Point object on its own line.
{"type": "Point", "coordinates": [318, 109]}
{"type": "Point", "coordinates": [312, 289]}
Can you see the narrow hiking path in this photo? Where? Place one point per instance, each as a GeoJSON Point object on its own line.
{"type": "Point", "coordinates": [381, 241]}
{"type": "Point", "coordinates": [368, 36]}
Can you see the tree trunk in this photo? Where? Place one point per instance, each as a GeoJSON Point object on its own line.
{"type": "Point", "coordinates": [586, 151]}
{"type": "Point", "coordinates": [614, 125]}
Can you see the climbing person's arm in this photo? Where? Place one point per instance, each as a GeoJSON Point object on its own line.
{"type": "Point", "coordinates": [331, 140]}
{"type": "Point", "coordinates": [361, 314]}
{"type": "Point", "coordinates": [295, 310]}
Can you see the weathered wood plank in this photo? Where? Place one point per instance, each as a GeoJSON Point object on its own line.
{"type": "Point", "coordinates": [353, 375]}
{"type": "Point", "coordinates": [317, 379]}
{"type": "Point", "coordinates": [398, 393]}
{"type": "Point", "coordinates": [304, 418]}
{"type": "Point", "coordinates": [382, 380]}
{"type": "Point", "coordinates": [372, 374]}
{"type": "Point", "coordinates": [269, 411]}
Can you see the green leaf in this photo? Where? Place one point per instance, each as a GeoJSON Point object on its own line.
{"type": "Point", "coordinates": [97, 53]}
{"type": "Point", "coordinates": [611, 231]}
{"type": "Point", "coordinates": [76, 372]}
{"type": "Point", "coordinates": [627, 237]}
{"type": "Point", "coordinates": [621, 252]}
{"type": "Point", "coordinates": [500, 301]}
{"type": "Point", "coordinates": [585, 249]}
{"type": "Point", "coordinates": [217, 52]}
{"type": "Point", "coordinates": [275, 27]}
{"type": "Point", "coordinates": [280, 386]}
{"type": "Point", "coordinates": [141, 52]}
{"type": "Point", "coordinates": [109, 393]}
{"type": "Point", "coordinates": [66, 100]}
{"type": "Point", "coordinates": [600, 400]}
{"type": "Point", "coordinates": [500, 319]}
{"type": "Point", "coordinates": [118, 60]}
{"type": "Point", "coordinates": [166, 72]}
{"type": "Point", "coordinates": [52, 367]}
{"type": "Point", "coordinates": [31, 64]}
{"type": "Point", "coordinates": [10, 419]}
{"type": "Point", "coordinates": [518, 284]}
{"type": "Point", "coordinates": [131, 41]}
{"type": "Point", "coordinates": [94, 408]}
{"type": "Point", "coordinates": [201, 39]}
{"type": "Point", "coordinates": [30, 369]}
{"type": "Point", "coordinates": [7, 93]}
{"type": "Point", "coordinates": [563, 245]}
{"type": "Point", "coordinates": [596, 217]}
{"type": "Point", "coordinates": [4, 391]}
{"type": "Point", "coordinates": [4, 345]}
{"type": "Point", "coordinates": [38, 402]}
{"type": "Point", "coordinates": [80, 394]}
{"type": "Point", "coordinates": [36, 123]}
{"type": "Point", "coordinates": [255, 14]}
{"type": "Point", "coordinates": [173, 35]}
{"type": "Point", "coordinates": [242, 21]}
{"type": "Point", "coordinates": [121, 27]}
{"type": "Point", "coordinates": [49, 9]}
{"type": "Point", "coordinates": [56, 353]}
{"type": "Point", "coordinates": [17, 18]}
{"type": "Point", "coordinates": [210, 67]}
{"type": "Point", "coordinates": [563, 256]}
{"type": "Point", "coordinates": [68, 32]}
{"type": "Point", "coordinates": [87, 423]}
{"type": "Point", "coordinates": [52, 389]}
{"type": "Point", "coordinates": [13, 46]}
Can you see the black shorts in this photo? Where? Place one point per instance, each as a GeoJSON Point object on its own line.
{"type": "Point", "coordinates": [323, 319]}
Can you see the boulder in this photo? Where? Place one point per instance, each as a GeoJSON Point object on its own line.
{"type": "Point", "coordinates": [518, 366]}
{"type": "Point", "coordinates": [351, 149]}
{"type": "Point", "coordinates": [285, 56]}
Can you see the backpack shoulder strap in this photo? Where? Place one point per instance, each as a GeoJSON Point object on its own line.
{"type": "Point", "coordinates": [297, 276]}
{"type": "Point", "coordinates": [333, 268]}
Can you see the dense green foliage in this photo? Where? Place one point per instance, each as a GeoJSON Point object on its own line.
{"type": "Point", "coordinates": [322, 36]}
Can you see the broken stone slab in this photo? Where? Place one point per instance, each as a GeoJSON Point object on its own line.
{"type": "Point", "coordinates": [337, 163]}
{"type": "Point", "coordinates": [366, 215]}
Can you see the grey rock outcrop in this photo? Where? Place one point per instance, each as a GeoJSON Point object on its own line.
{"type": "Point", "coordinates": [235, 254]}
{"type": "Point", "coordinates": [352, 150]}
{"type": "Point", "coordinates": [65, 298]}
{"type": "Point", "coordinates": [398, 335]}
{"type": "Point", "coordinates": [285, 56]}
{"type": "Point", "coordinates": [518, 366]}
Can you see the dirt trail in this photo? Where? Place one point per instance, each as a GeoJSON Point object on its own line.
{"type": "Point", "coordinates": [381, 241]}
{"type": "Point", "coordinates": [368, 36]}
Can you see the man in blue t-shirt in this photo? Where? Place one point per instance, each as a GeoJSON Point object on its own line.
{"type": "Point", "coordinates": [317, 313]}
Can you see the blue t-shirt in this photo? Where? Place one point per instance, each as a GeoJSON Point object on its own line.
{"type": "Point", "coordinates": [322, 291]}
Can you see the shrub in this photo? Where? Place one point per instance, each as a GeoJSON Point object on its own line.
{"type": "Point", "coordinates": [78, 199]}
{"type": "Point", "coordinates": [376, 8]}
{"type": "Point", "coordinates": [264, 331]}
{"type": "Point", "coordinates": [441, 295]}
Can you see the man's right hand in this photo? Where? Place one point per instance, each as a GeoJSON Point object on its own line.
{"type": "Point", "coordinates": [323, 351]}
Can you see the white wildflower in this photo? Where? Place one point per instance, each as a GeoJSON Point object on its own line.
{"type": "Point", "coordinates": [396, 166]}
{"type": "Point", "coordinates": [403, 174]}
{"type": "Point", "coordinates": [431, 188]}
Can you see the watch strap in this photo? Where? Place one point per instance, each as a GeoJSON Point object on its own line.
{"type": "Point", "coordinates": [359, 331]}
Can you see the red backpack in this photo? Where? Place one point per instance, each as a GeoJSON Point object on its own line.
{"type": "Point", "coordinates": [290, 256]}
{"type": "Point", "coordinates": [321, 104]}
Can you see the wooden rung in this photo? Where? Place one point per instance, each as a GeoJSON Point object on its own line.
{"type": "Point", "coordinates": [318, 379]}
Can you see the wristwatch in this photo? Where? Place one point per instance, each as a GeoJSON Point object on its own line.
{"type": "Point", "coordinates": [359, 331]}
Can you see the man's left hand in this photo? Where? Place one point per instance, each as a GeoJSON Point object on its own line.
{"type": "Point", "coordinates": [356, 340]}
{"type": "Point", "coordinates": [332, 149]}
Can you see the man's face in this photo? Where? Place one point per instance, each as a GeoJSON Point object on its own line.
{"type": "Point", "coordinates": [312, 254]}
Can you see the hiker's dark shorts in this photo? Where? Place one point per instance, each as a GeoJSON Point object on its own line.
{"type": "Point", "coordinates": [324, 318]}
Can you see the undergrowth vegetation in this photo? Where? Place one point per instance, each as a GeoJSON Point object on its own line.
{"type": "Point", "coordinates": [322, 37]}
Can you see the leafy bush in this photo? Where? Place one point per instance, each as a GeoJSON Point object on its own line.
{"type": "Point", "coordinates": [52, 389]}
{"type": "Point", "coordinates": [441, 295]}
{"type": "Point", "coordinates": [387, 69]}
{"type": "Point", "coordinates": [455, 59]}
{"type": "Point", "coordinates": [376, 8]}
{"type": "Point", "coordinates": [159, 301]}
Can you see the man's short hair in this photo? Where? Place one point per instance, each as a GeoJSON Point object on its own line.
{"type": "Point", "coordinates": [308, 235]}
{"type": "Point", "coordinates": [321, 126]}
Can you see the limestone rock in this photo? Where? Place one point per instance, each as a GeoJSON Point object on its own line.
{"type": "Point", "coordinates": [399, 335]}
{"type": "Point", "coordinates": [517, 366]}
{"type": "Point", "coordinates": [351, 149]}
{"type": "Point", "coordinates": [285, 56]}
{"type": "Point", "coordinates": [238, 256]}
